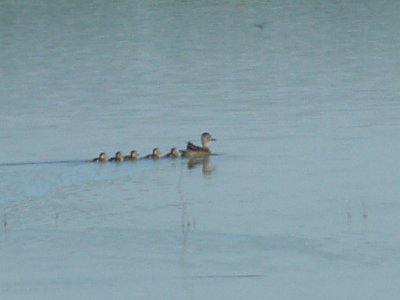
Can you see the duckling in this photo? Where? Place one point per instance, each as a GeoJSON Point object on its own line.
{"type": "Point", "coordinates": [197, 151]}
{"type": "Point", "coordinates": [133, 156]}
{"type": "Point", "coordinates": [118, 157]}
{"type": "Point", "coordinates": [172, 154]}
{"type": "Point", "coordinates": [156, 154]}
{"type": "Point", "coordinates": [102, 158]}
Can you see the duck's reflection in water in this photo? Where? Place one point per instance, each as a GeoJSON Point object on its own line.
{"type": "Point", "coordinates": [205, 162]}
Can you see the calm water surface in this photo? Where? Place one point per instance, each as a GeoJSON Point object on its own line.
{"type": "Point", "coordinates": [303, 200]}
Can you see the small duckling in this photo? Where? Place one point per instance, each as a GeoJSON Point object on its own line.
{"type": "Point", "coordinates": [156, 154]}
{"type": "Point", "coordinates": [133, 156]}
{"type": "Point", "coordinates": [102, 158]}
{"type": "Point", "coordinates": [118, 157]}
{"type": "Point", "coordinates": [172, 154]}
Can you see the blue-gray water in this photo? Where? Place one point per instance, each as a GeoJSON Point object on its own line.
{"type": "Point", "coordinates": [303, 200]}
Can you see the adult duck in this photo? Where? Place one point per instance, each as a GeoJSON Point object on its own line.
{"type": "Point", "coordinates": [199, 151]}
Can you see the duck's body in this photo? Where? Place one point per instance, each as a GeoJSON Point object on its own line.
{"type": "Point", "coordinates": [193, 151]}
{"type": "Point", "coordinates": [102, 158]}
{"type": "Point", "coordinates": [118, 157]}
{"type": "Point", "coordinates": [133, 156]}
{"type": "Point", "coordinates": [172, 154]}
{"type": "Point", "coordinates": [156, 154]}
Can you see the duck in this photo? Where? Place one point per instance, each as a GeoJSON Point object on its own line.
{"type": "Point", "coordinates": [172, 154]}
{"type": "Point", "coordinates": [199, 151]}
{"type": "Point", "coordinates": [156, 154]}
{"type": "Point", "coordinates": [133, 156]}
{"type": "Point", "coordinates": [118, 157]}
{"type": "Point", "coordinates": [101, 158]}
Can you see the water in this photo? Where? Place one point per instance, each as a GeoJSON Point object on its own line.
{"type": "Point", "coordinates": [303, 200]}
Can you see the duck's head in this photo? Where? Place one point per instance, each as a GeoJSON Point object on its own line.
{"type": "Point", "coordinates": [174, 152]}
{"type": "Point", "coordinates": [206, 138]}
{"type": "Point", "coordinates": [156, 152]}
{"type": "Point", "coordinates": [134, 154]}
{"type": "Point", "coordinates": [119, 156]}
{"type": "Point", "coordinates": [103, 156]}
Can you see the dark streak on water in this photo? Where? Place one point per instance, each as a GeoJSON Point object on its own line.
{"type": "Point", "coordinates": [234, 276]}
{"type": "Point", "coordinates": [17, 164]}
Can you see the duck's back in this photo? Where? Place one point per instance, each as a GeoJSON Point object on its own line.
{"type": "Point", "coordinates": [192, 147]}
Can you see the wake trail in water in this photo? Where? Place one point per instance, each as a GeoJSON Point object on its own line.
{"type": "Point", "coordinates": [16, 164]}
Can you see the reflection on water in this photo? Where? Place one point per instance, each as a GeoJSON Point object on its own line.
{"type": "Point", "coordinates": [4, 219]}
{"type": "Point", "coordinates": [357, 216]}
{"type": "Point", "coordinates": [204, 162]}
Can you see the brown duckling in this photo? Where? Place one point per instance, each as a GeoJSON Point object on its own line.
{"type": "Point", "coordinates": [102, 158]}
{"type": "Point", "coordinates": [172, 154]}
{"type": "Point", "coordinates": [118, 157]}
{"type": "Point", "coordinates": [156, 154]}
{"type": "Point", "coordinates": [133, 156]}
